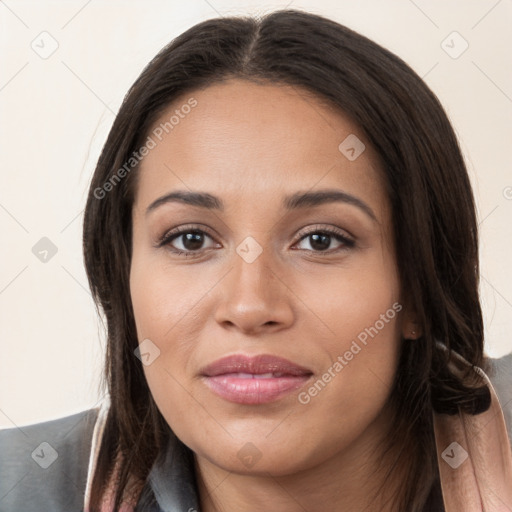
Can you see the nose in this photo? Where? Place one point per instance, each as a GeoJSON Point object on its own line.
{"type": "Point", "coordinates": [254, 297]}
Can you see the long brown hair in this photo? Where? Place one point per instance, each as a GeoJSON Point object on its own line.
{"type": "Point", "coordinates": [433, 212]}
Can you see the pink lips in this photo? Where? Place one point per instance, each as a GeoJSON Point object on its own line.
{"type": "Point", "coordinates": [254, 380]}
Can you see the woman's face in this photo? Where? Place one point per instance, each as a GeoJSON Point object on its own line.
{"type": "Point", "coordinates": [312, 281]}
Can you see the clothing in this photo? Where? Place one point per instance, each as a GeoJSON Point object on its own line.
{"type": "Point", "coordinates": [25, 486]}
{"type": "Point", "coordinates": [56, 476]}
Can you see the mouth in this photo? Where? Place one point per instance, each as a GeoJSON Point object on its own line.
{"type": "Point", "coordinates": [254, 380]}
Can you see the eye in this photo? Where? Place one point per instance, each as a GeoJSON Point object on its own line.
{"type": "Point", "coordinates": [321, 238]}
{"type": "Point", "coordinates": [191, 240]}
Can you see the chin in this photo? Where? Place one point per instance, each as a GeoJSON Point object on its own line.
{"type": "Point", "coordinates": [263, 456]}
{"type": "Point", "coordinates": [256, 464]}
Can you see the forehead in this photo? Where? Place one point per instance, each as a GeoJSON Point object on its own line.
{"type": "Point", "coordinates": [248, 139]}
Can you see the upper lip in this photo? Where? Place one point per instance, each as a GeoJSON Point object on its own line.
{"type": "Point", "coordinates": [260, 364]}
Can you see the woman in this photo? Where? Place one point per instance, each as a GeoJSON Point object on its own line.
{"type": "Point", "coordinates": [282, 236]}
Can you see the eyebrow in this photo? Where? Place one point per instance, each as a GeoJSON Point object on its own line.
{"type": "Point", "coordinates": [292, 202]}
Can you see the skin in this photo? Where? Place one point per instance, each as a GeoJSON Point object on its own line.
{"type": "Point", "coordinates": [250, 145]}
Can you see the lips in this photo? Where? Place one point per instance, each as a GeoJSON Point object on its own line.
{"type": "Point", "coordinates": [254, 380]}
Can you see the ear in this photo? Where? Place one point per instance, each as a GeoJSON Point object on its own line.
{"type": "Point", "coordinates": [411, 328]}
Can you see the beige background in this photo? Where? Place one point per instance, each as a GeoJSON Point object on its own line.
{"type": "Point", "coordinates": [56, 112]}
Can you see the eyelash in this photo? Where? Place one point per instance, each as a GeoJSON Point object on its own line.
{"type": "Point", "coordinates": [170, 236]}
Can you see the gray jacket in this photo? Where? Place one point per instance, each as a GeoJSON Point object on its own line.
{"type": "Point", "coordinates": [43, 467]}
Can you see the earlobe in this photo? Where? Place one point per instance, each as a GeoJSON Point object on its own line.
{"type": "Point", "coordinates": [411, 330]}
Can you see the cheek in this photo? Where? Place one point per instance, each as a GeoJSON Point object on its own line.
{"type": "Point", "coordinates": [162, 297]}
{"type": "Point", "coordinates": [362, 360]}
{"type": "Point", "coordinates": [165, 303]}
{"type": "Point", "coordinates": [363, 315]}
{"type": "Point", "coordinates": [359, 304]}
{"type": "Point", "coordinates": [162, 304]}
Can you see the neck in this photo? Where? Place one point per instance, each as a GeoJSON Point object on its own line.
{"type": "Point", "coordinates": [349, 480]}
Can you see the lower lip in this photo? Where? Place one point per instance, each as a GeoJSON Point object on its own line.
{"type": "Point", "coordinates": [254, 391]}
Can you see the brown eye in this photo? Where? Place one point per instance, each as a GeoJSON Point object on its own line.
{"type": "Point", "coordinates": [191, 241]}
{"type": "Point", "coordinates": [321, 240]}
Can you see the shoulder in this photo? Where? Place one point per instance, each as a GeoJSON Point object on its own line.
{"type": "Point", "coordinates": [44, 466]}
{"type": "Point", "coordinates": [500, 374]}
